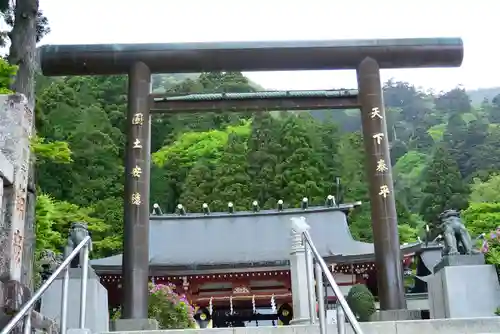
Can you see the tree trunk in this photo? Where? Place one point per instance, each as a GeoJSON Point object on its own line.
{"type": "Point", "coordinates": [23, 54]}
{"type": "Point", "coordinates": [23, 48]}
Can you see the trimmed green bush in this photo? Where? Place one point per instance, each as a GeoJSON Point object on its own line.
{"type": "Point", "coordinates": [361, 302]}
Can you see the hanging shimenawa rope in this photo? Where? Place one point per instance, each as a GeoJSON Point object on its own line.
{"type": "Point", "coordinates": [210, 306]}
{"type": "Point", "coordinates": [231, 305]}
{"type": "Point", "coordinates": [253, 305]}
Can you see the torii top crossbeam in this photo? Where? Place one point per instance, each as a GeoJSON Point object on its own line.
{"type": "Point", "coordinates": [108, 59]}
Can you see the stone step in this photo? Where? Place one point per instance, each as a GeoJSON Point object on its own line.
{"type": "Point", "coordinates": [434, 326]}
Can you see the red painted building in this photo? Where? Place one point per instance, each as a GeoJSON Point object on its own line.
{"type": "Point", "coordinates": [227, 261]}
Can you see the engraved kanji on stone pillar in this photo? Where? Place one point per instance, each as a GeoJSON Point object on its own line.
{"type": "Point", "coordinates": [15, 134]}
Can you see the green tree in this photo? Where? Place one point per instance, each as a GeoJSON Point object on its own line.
{"type": "Point", "coordinates": [482, 218]}
{"type": "Point", "coordinates": [197, 187]}
{"type": "Point", "coordinates": [300, 169]}
{"type": "Point", "coordinates": [109, 211]}
{"type": "Point", "coordinates": [405, 96]}
{"type": "Point", "coordinates": [47, 236]}
{"type": "Point", "coordinates": [454, 137]}
{"type": "Point", "coordinates": [97, 168]}
{"type": "Point", "coordinates": [213, 82]}
{"type": "Point", "coordinates": [486, 192]}
{"type": "Point", "coordinates": [56, 151]}
{"type": "Point", "coordinates": [454, 102]}
{"type": "Point", "coordinates": [493, 110]}
{"type": "Point", "coordinates": [407, 179]}
{"type": "Point", "coordinates": [407, 233]}
{"type": "Point", "coordinates": [232, 183]}
{"type": "Point", "coordinates": [398, 149]}
{"type": "Point", "coordinates": [421, 140]}
{"type": "Point", "coordinates": [263, 148]}
{"type": "Point", "coordinates": [408, 223]}
{"type": "Point", "coordinates": [329, 150]}
{"type": "Point", "coordinates": [53, 221]}
{"type": "Point", "coordinates": [485, 157]}
{"type": "Point", "coordinates": [443, 187]}
{"type": "Point", "coordinates": [354, 185]}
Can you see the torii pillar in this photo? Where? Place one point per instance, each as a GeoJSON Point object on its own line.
{"type": "Point", "coordinates": [388, 259]}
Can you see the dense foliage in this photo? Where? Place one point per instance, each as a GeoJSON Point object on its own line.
{"type": "Point", "coordinates": [444, 151]}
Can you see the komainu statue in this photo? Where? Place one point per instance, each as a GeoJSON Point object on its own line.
{"type": "Point", "coordinates": [77, 233]}
{"type": "Point", "coordinates": [455, 235]}
{"type": "Point", "coordinates": [49, 262]}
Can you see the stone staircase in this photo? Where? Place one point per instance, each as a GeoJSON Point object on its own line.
{"type": "Point", "coordinates": [435, 326]}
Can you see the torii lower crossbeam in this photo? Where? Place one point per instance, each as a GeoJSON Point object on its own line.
{"type": "Point", "coordinates": [258, 101]}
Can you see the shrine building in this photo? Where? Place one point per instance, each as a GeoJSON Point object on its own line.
{"type": "Point", "coordinates": [227, 261]}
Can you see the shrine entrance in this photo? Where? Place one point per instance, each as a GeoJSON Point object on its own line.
{"type": "Point", "coordinates": [244, 317]}
{"type": "Point", "coordinates": [367, 57]}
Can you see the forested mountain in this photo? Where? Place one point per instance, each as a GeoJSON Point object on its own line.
{"type": "Point", "coordinates": [444, 150]}
{"type": "Point", "coordinates": [477, 96]}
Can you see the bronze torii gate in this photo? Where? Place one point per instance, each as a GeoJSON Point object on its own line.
{"type": "Point", "coordinates": [364, 56]}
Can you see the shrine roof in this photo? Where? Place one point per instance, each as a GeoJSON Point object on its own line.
{"type": "Point", "coordinates": [245, 239]}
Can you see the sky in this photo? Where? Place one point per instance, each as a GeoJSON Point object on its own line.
{"type": "Point", "coordinates": [164, 21]}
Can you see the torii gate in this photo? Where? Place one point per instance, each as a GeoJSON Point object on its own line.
{"type": "Point", "coordinates": [367, 57]}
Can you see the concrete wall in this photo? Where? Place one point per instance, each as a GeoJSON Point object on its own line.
{"type": "Point", "coordinates": [440, 326]}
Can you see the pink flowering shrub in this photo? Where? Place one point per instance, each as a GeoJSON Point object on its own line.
{"type": "Point", "coordinates": [491, 247]}
{"type": "Point", "coordinates": [491, 250]}
{"type": "Point", "coordinates": [172, 311]}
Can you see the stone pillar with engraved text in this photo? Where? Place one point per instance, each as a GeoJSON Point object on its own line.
{"type": "Point", "coordinates": [15, 132]}
{"type": "Point", "coordinates": [16, 122]}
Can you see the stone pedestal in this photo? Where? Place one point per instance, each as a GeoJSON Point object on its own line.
{"type": "Point", "coordinates": [461, 289]}
{"type": "Point", "coordinates": [459, 260]}
{"type": "Point", "coordinates": [97, 314]}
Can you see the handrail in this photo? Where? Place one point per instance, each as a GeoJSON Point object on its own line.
{"type": "Point", "coordinates": [338, 293]}
{"type": "Point", "coordinates": [31, 302]}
